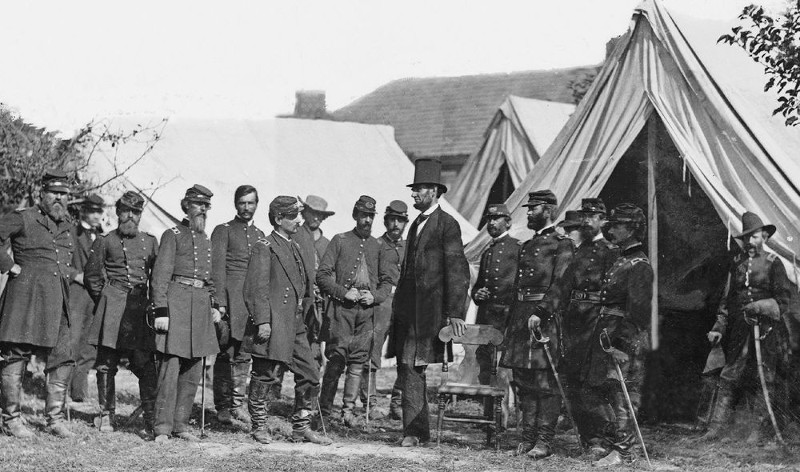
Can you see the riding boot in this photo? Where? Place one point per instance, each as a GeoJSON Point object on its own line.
{"type": "Point", "coordinates": [549, 407]}
{"type": "Point", "coordinates": [278, 386]}
{"type": "Point", "coordinates": [10, 396]}
{"type": "Point", "coordinates": [259, 398]}
{"type": "Point", "coordinates": [721, 416]}
{"type": "Point", "coordinates": [147, 394]}
{"type": "Point", "coordinates": [57, 381]}
{"type": "Point", "coordinates": [352, 385]}
{"type": "Point", "coordinates": [106, 398]}
{"type": "Point", "coordinates": [530, 427]}
{"type": "Point", "coordinates": [330, 382]}
{"type": "Point", "coordinates": [241, 371]}
{"type": "Point", "coordinates": [223, 384]}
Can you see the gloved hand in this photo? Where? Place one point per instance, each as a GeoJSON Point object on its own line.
{"type": "Point", "coordinates": [264, 332]}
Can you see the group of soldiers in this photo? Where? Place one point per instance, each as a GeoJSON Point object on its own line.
{"type": "Point", "coordinates": [570, 303]}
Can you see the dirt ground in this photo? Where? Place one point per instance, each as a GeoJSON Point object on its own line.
{"type": "Point", "coordinates": [671, 447]}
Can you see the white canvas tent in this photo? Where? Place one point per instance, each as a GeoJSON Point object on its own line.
{"type": "Point", "coordinates": [517, 137]}
{"type": "Point", "coordinates": [338, 161]}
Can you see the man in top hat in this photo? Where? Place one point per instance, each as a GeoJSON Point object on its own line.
{"type": "Point", "coordinates": [758, 291]}
{"type": "Point", "coordinates": [34, 308]}
{"type": "Point", "coordinates": [536, 306]}
{"type": "Point", "coordinates": [185, 313]}
{"type": "Point", "coordinates": [571, 226]}
{"type": "Point", "coordinates": [580, 291]}
{"type": "Point", "coordinates": [117, 275]}
{"type": "Point", "coordinates": [493, 291]}
{"type": "Point", "coordinates": [392, 249]}
{"type": "Point", "coordinates": [86, 232]}
{"type": "Point", "coordinates": [231, 244]}
{"type": "Point", "coordinates": [626, 294]}
{"type": "Point", "coordinates": [351, 276]}
{"type": "Point", "coordinates": [431, 293]}
{"type": "Point", "coordinates": [275, 288]}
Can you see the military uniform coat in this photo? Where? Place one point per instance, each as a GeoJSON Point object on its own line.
{"type": "Point", "coordinates": [275, 288]}
{"type": "Point", "coordinates": [391, 256]}
{"type": "Point", "coordinates": [543, 261]}
{"type": "Point", "coordinates": [187, 253]}
{"type": "Point", "coordinates": [34, 301]}
{"type": "Point", "coordinates": [432, 288]}
{"type": "Point", "coordinates": [580, 293]}
{"type": "Point", "coordinates": [231, 243]}
{"type": "Point", "coordinates": [117, 275]}
{"type": "Point", "coordinates": [496, 272]}
{"type": "Point", "coordinates": [81, 304]}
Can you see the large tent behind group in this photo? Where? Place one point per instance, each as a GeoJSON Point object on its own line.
{"type": "Point", "coordinates": [518, 135]}
{"type": "Point", "coordinates": [337, 161]}
{"type": "Point", "coordinates": [681, 126]}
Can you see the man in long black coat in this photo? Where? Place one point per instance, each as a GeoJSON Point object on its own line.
{"type": "Point", "coordinates": [431, 293]}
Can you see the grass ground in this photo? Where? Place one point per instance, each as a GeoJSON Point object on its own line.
{"type": "Point", "coordinates": [672, 447]}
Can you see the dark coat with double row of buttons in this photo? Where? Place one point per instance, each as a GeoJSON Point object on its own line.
{"type": "Point", "coordinates": [34, 301]}
{"type": "Point", "coordinates": [543, 260]}
{"type": "Point", "coordinates": [497, 272]}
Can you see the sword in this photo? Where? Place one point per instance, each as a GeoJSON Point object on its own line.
{"type": "Point", "coordinates": [538, 337]}
{"type": "Point", "coordinates": [606, 345]}
{"type": "Point", "coordinates": [203, 402]}
{"type": "Point", "coordinates": [762, 378]}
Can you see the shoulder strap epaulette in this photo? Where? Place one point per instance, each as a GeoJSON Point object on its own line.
{"type": "Point", "coordinates": [175, 230]}
{"type": "Point", "coordinates": [226, 224]}
{"type": "Point", "coordinates": [636, 260]}
{"type": "Point", "coordinates": [264, 241]}
{"type": "Point", "coordinates": [771, 256]}
{"type": "Point", "coordinates": [520, 243]}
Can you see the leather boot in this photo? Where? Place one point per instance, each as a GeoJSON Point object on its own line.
{"type": "Point", "coordinates": [241, 371]}
{"type": "Point", "coordinates": [352, 385]}
{"type": "Point", "coordinates": [330, 382]}
{"type": "Point", "coordinates": [106, 393]}
{"type": "Point", "coordinates": [223, 386]}
{"type": "Point", "coordinates": [277, 387]}
{"type": "Point", "coordinates": [10, 394]}
{"type": "Point", "coordinates": [549, 407]}
{"type": "Point", "coordinates": [57, 382]}
{"type": "Point", "coordinates": [530, 428]}
{"type": "Point", "coordinates": [147, 395]}
{"type": "Point", "coordinates": [302, 431]}
{"type": "Point", "coordinates": [259, 398]}
{"type": "Point", "coordinates": [721, 416]}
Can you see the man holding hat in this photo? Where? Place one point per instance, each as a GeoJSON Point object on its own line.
{"type": "Point", "coordinates": [34, 308]}
{"type": "Point", "coordinates": [536, 307]}
{"type": "Point", "coordinates": [392, 249]}
{"type": "Point", "coordinates": [758, 291]}
{"type": "Point", "coordinates": [431, 293]}
{"type": "Point", "coordinates": [493, 291]}
{"type": "Point", "coordinates": [231, 243]}
{"type": "Point", "coordinates": [276, 287]}
{"type": "Point", "coordinates": [185, 313]}
{"type": "Point", "coordinates": [625, 301]}
{"type": "Point", "coordinates": [81, 305]}
{"type": "Point", "coordinates": [351, 276]}
{"type": "Point", "coordinates": [117, 275]}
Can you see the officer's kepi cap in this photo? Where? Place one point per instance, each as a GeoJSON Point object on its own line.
{"type": "Point", "coordinates": [592, 205]}
{"type": "Point", "coordinates": [55, 181]}
{"type": "Point", "coordinates": [541, 197]}
{"type": "Point", "coordinates": [366, 204]}
{"type": "Point", "coordinates": [93, 203]}
{"type": "Point", "coordinates": [397, 208]}
{"type": "Point", "coordinates": [284, 205]}
{"type": "Point", "coordinates": [132, 200]}
{"type": "Point", "coordinates": [198, 193]}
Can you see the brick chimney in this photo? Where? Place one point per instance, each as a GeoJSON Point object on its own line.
{"type": "Point", "coordinates": [310, 104]}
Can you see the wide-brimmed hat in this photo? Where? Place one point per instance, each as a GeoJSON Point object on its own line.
{"type": "Point", "coordinates": [318, 204]}
{"type": "Point", "coordinates": [572, 219]}
{"type": "Point", "coordinates": [626, 213]}
{"type": "Point", "coordinates": [495, 210]}
{"type": "Point", "coordinates": [397, 208]}
{"type": "Point", "coordinates": [55, 181]}
{"type": "Point", "coordinates": [592, 205]}
{"type": "Point", "coordinates": [132, 200]}
{"type": "Point", "coordinates": [198, 193]}
{"type": "Point", "coordinates": [428, 171]}
{"type": "Point", "coordinates": [366, 204]}
{"type": "Point", "coordinates": [752, 223]}
{"type": "Point", "coordinates": [541, 197]}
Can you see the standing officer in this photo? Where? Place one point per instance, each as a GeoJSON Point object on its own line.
{"type": "Point", "coordinates": [81, 305]}
{"type": "Point", "coordinates": [493, 291]}
{"type": "Point", "coordinates": [117, 275]}
{"type": "Point", "coordinates": [758, 292]}
{"type": "Point", "coordinates": [34, 308]}
{"type": "Point", "coordinates": [625, 298]}
{"type": "Point", "coordinates": [542, 262]}
{"type": "Point", "coordinates": [392, 250]}
{"type": "Point", "coordinates": [275, 287]}
{"type": "Point", "coordinates": [431, 293]}
{"type": "Point", "coordinates": [350, 275]}
{"type": "Point", "coordinates": [580, 289]}
{"type": "Point", "coordinates": [231, 243]}
{"type": "Point", "coordinates": [185, 313]}
{"type": "Point", "coordinates": [571, 226]}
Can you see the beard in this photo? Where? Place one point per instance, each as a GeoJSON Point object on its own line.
{"type": "Point", "coordinates": [128, 228]}
{"type": "Point", "coordinates": [588, 232]}
{"type": "Point", "coordinates": [197, 222]}
{"type": "Point", "coordinates": [537, 222]}
{"type": "Point", "coordinates": [55, 210]}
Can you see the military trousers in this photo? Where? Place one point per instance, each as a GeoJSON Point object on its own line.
{"type": "Point", "coordinates": [230, 375]}
{"type": "Point", "coordinates": [178, 378]}
{"type": "Point", "coordinates": [141, 364]}
{"type": "Point", "coordinates": [540, 400]}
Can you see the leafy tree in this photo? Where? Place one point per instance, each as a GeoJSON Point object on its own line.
{"type": "Point", "coordinates": [774, 42]}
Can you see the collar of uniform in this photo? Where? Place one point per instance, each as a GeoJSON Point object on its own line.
{"type": "Point", "coordinates": [635, 246]}
{"type": "Point", "coordinates": [391, 241]}
{"type": "Point", "coordinates": [243, 222]}
{"type": "Point", "coordinates": [544, 231]}
{"type": "Point", "coordinates": [122, 236]}
{"type": "Point", "coordinates": [359, 236]}
{"type": "Point", "coordinates": [280, 235]}
{"type": "Point", "coordinates": [598, 237]}
{"type": "Point", "coordinates": [499, 238]}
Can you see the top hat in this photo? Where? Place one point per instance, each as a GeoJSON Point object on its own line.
{"type": "Point", "coordinates": [752, 223]}
{"type": "Point", "coordinates": [592, 205]}
{"type": "Point", "coordinates": [428, 171]}
{"type": "Point", "coordinates": [93, 203]}
{"type": "Point", "coordinates": [541, 197]}
{"type": "Point", "coordinates": [572, 219]}
{"type": "Point", "coordinates": [366, 204]}
{"type": "Point", "coordinates": [397, 208]}
{"type": "Point", "coordinates": [318, 204]}
{"type": "Point", "coordinates": [56, 181]}
{"type": "Point", "coordinates": [132, 200]}
{"type": "Point", "coordinates": [198, 193]}
{"type": "Point", "coordinates": [626, 213]}
{"type": "Point", "coordinates": [284, 205]}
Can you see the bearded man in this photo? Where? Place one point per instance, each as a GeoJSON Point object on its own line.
{"type": "Point", "coordinates": [185, 314]}
{"type": "Point", "coordinates": [117, 276]}
{"type": "Point", "coordinates": [34, 308]}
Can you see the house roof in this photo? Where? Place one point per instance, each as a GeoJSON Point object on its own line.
{"type": "Point", "coordinates": [447, 116]}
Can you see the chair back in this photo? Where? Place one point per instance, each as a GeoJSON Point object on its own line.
{"type": "Point", "coordinates": [476, 334]}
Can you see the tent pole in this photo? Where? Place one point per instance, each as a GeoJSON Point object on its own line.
{"type": "Point", "coordinates": [652, 224]}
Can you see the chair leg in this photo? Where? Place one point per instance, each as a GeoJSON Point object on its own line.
{"type": "Point", "coordinates": [490, 415]}
{"type": "Point", "coordinates": [498, 421]}
{"type": "Point", "coordinates": [440, 418]}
